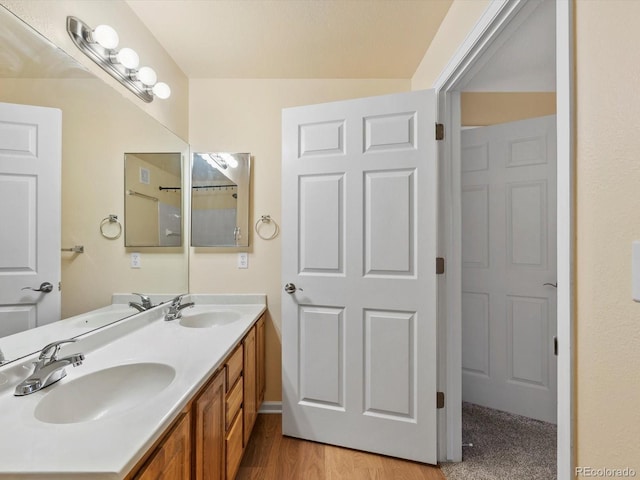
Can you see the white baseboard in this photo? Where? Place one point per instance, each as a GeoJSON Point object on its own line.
{"type": "Point", "coordinates": [271, 407]}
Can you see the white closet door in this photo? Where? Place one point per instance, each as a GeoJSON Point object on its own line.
{"type": "Point", "coordinates": [508, 255]}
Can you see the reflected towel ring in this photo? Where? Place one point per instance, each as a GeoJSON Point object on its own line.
{"type": "Point", "coordinates": [267, 219]}
{"type": "Point", "coordinates": [108, 221]}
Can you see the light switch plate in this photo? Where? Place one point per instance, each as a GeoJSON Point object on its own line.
{"type": "Point", "coordinates": [243, 260]}
{"type": "Point", "coordinates": [136, 260]}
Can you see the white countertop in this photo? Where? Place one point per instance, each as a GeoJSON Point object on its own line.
{"type": "Point", "coordinates": [110, 447]}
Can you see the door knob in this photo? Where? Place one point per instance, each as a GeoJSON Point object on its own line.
{"type": "Point", "coordinates": [45, 287]}
{"type": "Point", "coordinates": [554, 285]}
{"type": "Point", "coordinates": [291, 288]}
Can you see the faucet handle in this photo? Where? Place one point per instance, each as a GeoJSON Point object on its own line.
{"type": "Point", "coordinates": [55, 346]}
{"type": "Point", "coordinates": [146, 301]}
{"type": "Point", "coordinates": [176, 301]}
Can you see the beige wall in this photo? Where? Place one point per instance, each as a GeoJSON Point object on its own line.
{"type": "Point", "coordinates": [608, 220]}
{"type": "Point", "coordinates": [245, 116]}
{"type": "Point", "coordinates": [490, 108]}
{"type": "Point", "coordinates": [49, 18]}
{"type": "Point", "coordinates": [460, 19]}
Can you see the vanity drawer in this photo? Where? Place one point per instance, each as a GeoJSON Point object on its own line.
{"type": "Point", "coordinates": [234, 401]}
{"type": "Point", "coordinates": [234, 367]}
{"type": "Point", "coordinates": [234, 447]}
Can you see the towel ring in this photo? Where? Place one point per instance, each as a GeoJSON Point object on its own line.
{"type": "Point", "coordinates": [267, 219]}
{"type": "Point", "coordinates": [108, 221]}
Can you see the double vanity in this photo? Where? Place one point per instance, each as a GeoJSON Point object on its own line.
{"type": "Point", "coordinates": [170, 392]}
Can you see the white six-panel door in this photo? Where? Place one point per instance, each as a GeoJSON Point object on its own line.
{"type": "Point", "coordinates": [359, 244]}
{"type": "Point", "coordinates": [30, 161]}
{"type": "Point", "coordinates": [509, 267]}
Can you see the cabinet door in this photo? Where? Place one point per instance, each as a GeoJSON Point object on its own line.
{"type": "Point", "coordinates": [234, 447]}
{"type": "Point", "coordinates": [171, 460]}
{"type": "Point", "coordinates": [249, 373]}
{"type": "Point", "coordinates": [209, 447]}
{"type": "Point", "coordinates": [260, 349]}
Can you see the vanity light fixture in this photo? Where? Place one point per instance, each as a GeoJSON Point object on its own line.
{"type": "Point", "coordinates": [229, 160]}
{"type": "Point", "coordinates": [214, 160]}
{"type": "Point", "coordinates": [100, 45]}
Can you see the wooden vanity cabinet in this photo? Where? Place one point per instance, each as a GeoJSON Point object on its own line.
{"type": "Point", "coordinates": [234, 410]}
{"type": "Point", "coordinates": [171, 460]}
{"type": "Point", "coordinates": [209, 430]}
{"type": "Point", "coordinates": [260, 366]}
{"type": "Point", "coordinates": [208, 439]}
{"type": "Point", "coordinates": [250, 407]}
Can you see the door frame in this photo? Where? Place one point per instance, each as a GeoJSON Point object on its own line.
{"type": "Point", "coordinates": [491, 31]}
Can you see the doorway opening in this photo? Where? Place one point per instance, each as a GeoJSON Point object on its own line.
{"type": "Point", "coordinates": [494, 59]}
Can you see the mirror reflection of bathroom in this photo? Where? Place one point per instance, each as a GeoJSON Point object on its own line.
{"type": "Point", "coordinates": [153, 199]}
{"type": "Point", "coordinates": [220, 199]}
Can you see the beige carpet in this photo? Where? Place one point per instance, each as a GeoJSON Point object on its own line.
{"type": "Point", "coordinates": [505, 447]}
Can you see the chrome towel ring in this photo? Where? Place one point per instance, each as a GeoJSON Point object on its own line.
{"type": "Point", "coordinates": [108, 221]}
{"type": "Point", "coordinates": [267, 219]}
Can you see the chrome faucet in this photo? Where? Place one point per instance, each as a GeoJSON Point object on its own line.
{"type": "Point", "coordinates": [175, 309]}
{"type": "Point", "coordinates": [48, 369]}
{"type": "Point", "coordinates": [145, 303]}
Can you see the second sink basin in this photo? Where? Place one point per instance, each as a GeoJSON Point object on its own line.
{"type": "Point", "coordinates": [103, 317]}
{"type": "Point", "coordinates": [210, 318]}
{"type": "Point", "coordinates": [103, 393]}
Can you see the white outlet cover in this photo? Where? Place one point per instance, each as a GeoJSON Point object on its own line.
{"type": "Point", "coordinates": [243, 260]}
{"type": "Point", "coordinates": [136, 260]}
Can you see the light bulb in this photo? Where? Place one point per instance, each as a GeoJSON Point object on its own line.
{"type": "Point", "coordinates": [147, 76]}
{"type": "Point", "coordinates": [106, 36]}
{"type": "Point", "coordinates": [229, 160]}
{"type": "Point", "coordinates": [162, 90]}
{"type": "Point", "coordinates": [128, 58]}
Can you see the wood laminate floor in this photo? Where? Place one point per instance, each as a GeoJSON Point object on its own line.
{"type": "Point", "coordinates": [271, 456]}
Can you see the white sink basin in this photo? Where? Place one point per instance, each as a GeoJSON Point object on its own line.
{"type": "Point", "coordinates": [101, 318]}
{"type": "Point", "coordinates": [210, 318]}
{"type": "Point", "coordinates": [103, 393]}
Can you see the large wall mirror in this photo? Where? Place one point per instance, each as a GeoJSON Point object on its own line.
{"type": "Point", "coordinates": [220, 184]}
{"type": "Point", "coordinates": [153, 199]}
{"type": "Point", "coordinates": [99, 125]}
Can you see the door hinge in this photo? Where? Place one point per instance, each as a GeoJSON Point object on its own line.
{"type": "Point", "coordinates": [555, 346]}
{"type": "Point", "coordinates": [439, 265]}
{"type": "Point", "coordinates": [439, 131]}
{"type": "Point", "coordinates": [439, 399]}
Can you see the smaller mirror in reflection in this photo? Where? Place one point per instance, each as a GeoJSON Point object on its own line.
{"type": "Point", "coordinates": [220, 199]}
{"type": "Point", "coordinates": [153, 200]}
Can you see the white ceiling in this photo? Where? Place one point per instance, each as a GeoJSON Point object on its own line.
{"type": "Point", "coordinates": [302, 39]}
{"type": "Point", "coordinates": [526, 61]}
{"type": "Point", "coordinates": [294, 38]}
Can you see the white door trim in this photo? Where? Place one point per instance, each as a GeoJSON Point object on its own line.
{"type": "Point", "coordinates": [485, 36]}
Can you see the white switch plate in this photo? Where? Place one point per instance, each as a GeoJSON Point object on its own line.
{"type": "Point", "coordinates": [136, 260]}
{"type": "Point", "coordinates": [243, 260]}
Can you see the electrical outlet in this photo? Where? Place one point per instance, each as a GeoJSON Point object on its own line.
{"type": "Point", "coordinates": [243, 260]}
{"type": "Point", "coordinates": [136, 260]}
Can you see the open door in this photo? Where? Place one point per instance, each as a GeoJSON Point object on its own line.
{"type": "Point", "coordinates": [30, 161]}
{"type": "Point", "coordinates": [359, 245]}
{"type": "Point", "coordinates": [509, 271]}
